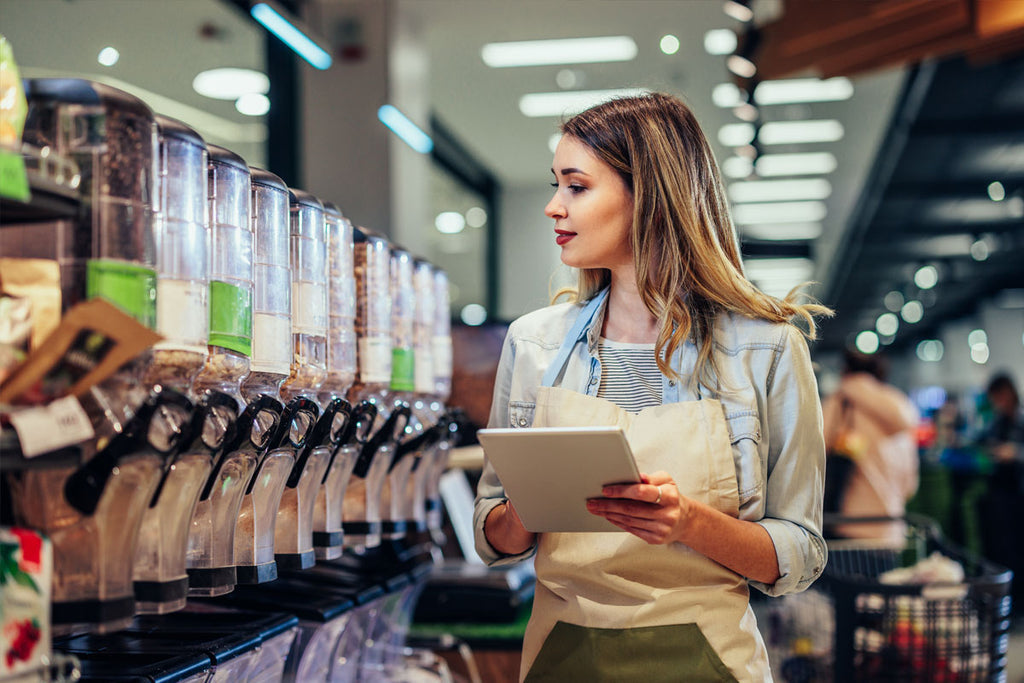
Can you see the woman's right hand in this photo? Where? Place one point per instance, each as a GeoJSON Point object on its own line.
{"type": "Point", "coordinates": [505, 531]}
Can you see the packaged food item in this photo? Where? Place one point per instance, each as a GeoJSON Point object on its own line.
{"type": "Point", "coordinates": [26, 570]}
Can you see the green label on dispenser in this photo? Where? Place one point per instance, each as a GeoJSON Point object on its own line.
{"type": "Point", "coordinates": [13, 180]}
{"type": "Point", "coordinates": [130, 287]}
{"type": "Point", "coordinates": [403, 370]}
{"type": "Point", "coordinates": [231, 317]}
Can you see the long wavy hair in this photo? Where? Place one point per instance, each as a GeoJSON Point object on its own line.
{"type": "Point", "coordinates": [684, 245]}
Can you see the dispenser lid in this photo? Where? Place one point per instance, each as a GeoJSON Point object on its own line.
{"type": "Point", "coordinates": [361, 234]}
{"type": "Point", "coordinates": [81, 91]}
{"type": "Point", "coordinates": [333, 210]}
{"type": "Point", "coordinates": [304, 198]}
{"type": "Point", "coordinates": [267, 179]}
{"type": "Point", "coordinates": [219, 155]}
{"type": "Point", "coordinates": [173, 128]}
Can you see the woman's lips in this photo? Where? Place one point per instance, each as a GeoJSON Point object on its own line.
{"type": "Point", "coordinates": [563, 236]}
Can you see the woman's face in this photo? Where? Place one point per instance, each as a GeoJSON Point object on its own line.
{"type": "Point", "coordinates": [592, 209]}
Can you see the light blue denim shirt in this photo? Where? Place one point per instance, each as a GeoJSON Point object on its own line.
{"type": "Point", "coordinates": [770, 397]}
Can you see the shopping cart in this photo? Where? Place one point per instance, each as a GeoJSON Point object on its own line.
{"type": "Point", "coordinates": [853, 627]}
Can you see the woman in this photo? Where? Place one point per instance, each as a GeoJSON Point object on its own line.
{"type": "Point", "coordinates": [714, 388]}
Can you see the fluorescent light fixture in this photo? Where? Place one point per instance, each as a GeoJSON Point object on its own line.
{"type": "Point", "coordinates": [570, 103]}
{"type": "Point", "coordinates": [736, 134]}
{"type": "Point", "coordinates": [476, 217]}
{"type": "Point", "coordinates": [253, 104]}
{"type": "Point", "coordinates": [980, 249]}
{"type": "Point", "coordinates": [669, 44]}
{"type": "Point", "coordinates": [887, 324]}
{"type": "Point", "coordinates": [930, 350]}
{"type": "Point", "coordinates": [975, 210]}
{"type": "Point", "coordinates": [553, 142]}
{"type": "Point", "coordinates": [980, 353]}
{"type": "Point", "coordinates": [746, 112]}
{"type": "Point", "coordinates": [777, 276]}
{"type": "Point", "coordinates": [737, 167]}
{"type": "Point", "coordinates": [746, 191]}
{"type": "Point", "coordinates": [567, 51]}
{"type": "Point", "coordinates": [291, 35]}
{"type": "Point", "coordinates": [727, 95]}
{"type": "Point", "coordinates": [812, 163]}
{"type": "Point", "coordinates": [926, 277]}
{"type": "Point", "coordinates": [996, 191]}
{"type": "Point", "coordinates": [230, 83]}
{"type": "Point", "coordinates": [912, 312]}
{"type": "Point", "coordinates": [738, 10]}
{"type": "Point", "coordinates": [867, 342]}
{"type": "Point", "coordinates": [473, 314]}
{"type": "Point", "coordinates": [783, 232]}
{"type": "Point", "coordinates": [108, 56]}
{"type": "Point", "coordinates": [977, 336]}
{"type": "Point", "coordinates": [450, 222]}
{"type": "Point", "coordinates": [720, 41]}
{"type": "Point", "coordinates": [409, 132]}
{"type": "Point", "coordinates": [741, 66]}
{"type": "Point", "coordinates": [792, 132]}
{"type": "Point", "coordinates": [779, 212]}
{"type": "Point", "coordinates": [797, 90]}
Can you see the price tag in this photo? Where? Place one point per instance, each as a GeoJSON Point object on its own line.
{"type": "Point", "coordinates": [61, 423]}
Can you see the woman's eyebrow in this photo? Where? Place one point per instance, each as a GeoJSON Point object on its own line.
{"type": "Point", "coordinates": [567, 171]}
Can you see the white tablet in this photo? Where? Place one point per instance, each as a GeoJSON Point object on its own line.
{"type": "Point", "coordinates": [549, 472]}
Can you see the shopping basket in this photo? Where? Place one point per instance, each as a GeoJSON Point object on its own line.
{"type": "Point", "coordinates": [935, 632]}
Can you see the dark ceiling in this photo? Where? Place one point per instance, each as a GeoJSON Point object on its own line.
{"type": "Point", "coordinates": [957, 128]}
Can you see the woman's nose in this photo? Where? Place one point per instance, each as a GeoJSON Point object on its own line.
{"type": "Point", "coordinates": [554, 209]}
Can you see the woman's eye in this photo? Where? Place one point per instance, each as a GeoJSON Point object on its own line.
{"type": "Point", "coordinates": [555, 185]}
{"type": "Point", "coordinates": [576, 189]}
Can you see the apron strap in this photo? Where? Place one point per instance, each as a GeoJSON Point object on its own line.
{"type": "Point", "coordinates": [574, 335]}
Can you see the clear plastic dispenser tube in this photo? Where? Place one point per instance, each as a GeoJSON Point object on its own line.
{"type": "Point", "coordinates": [341, 307]}
{"type": "Point", "coordinates": [108, 251]}
{"type": "Point", "coordinates": [232, 275]}
{"type": "Point", "coordinates": [443, 364]}
{"type": "Point", "coordinates": [271, 358]}
{"type": "Point", "coordinates": [293, 526]}
{"type": "Point", "coordinates": [372, 267]}
{"type": "Point", "coordinates": [182, 238]}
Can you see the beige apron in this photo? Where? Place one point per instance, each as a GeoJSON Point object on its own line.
{"type": "Point", "coordinates": [609, 606]}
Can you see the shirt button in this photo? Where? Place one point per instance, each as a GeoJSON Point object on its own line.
{"type": "Point", "coordinates": [671, 382]}
{"type": "Point", "coordinates": [522, 422]}
{"type": "Point", "coordinates": [593, 380]}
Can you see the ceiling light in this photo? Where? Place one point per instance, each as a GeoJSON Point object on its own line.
{"type": "Point", "coordinates": [738, 10]}
{"type": "Point", "coordinates": [996, 191]}
{"type": "Point", "coordinates": [669, 44]}
{"type": "Point", "coordinates": [253, 104]}
{"type": "Point", "coordinates": [727, 95]}
{"type": "Point", "coordinates": [553, 142]}
{"type": "Point", "coordinates": [980, 353]}
{"type": "Point", "coordinates": [274, 20]}
{"type": "Point", "coordinates": [737, 167]}
{"type": "Point", "coordinates": [777, 276]}
{"type": "Point", "coordinates": [404, 128]}
{"type": "Point", "coordinates": [887, 324]}
{"type": "Point", "coordinates": [567, 51]}
{"type": "Point", "coordinates": [783, 231]}
{"type": "Point", "coordinates": [980, 249]}
{"type": "Point", "coordinates": [736, 134]}
{"type": "Point", "coordinates": [790, 132]}
{"type": "Point", "coordinates": [912, 312]}
{"type": "Point", "coordinates": [720, 41]}
{"type": "Point", "coordinates": [926, 277]}
{"type": "Point", "coordinates": [867, 342]}
{"type": "Point", "coordinates": [741, 66]}
{"type": "Point", "coordinates": [796, 90]}
{"type": "Point", "coordinates": [893, 301]}
{"type": "Point", "coordinates": [570, 103]}
{"type": "Point", "coordinates": [473, 314]}
{"type": "Point", "coordinates": [108, 56]}
{"type": "Point", "coordinates": [976, 337]}
{"type": "Point", "coordinates": [476, 217]}
{"type": "Point", "coordinates": [975, 210]}
{"type": "Point", "coordinates": [779, 190]}
{"type": "Point", "coordinates": [812, 163]}
{"type": "Point", "coordinates": [450, 222]}
{"type": "Point", "coordinates": [930, 350]}
{"type": "Point", "coordinates": [746, 112]}
{"type": "Point", "coordinates": [778, 212]}
{"type": "Point", "coordinates": [567, 79]}
{"type": "Point", "coordinates": [229, 83]}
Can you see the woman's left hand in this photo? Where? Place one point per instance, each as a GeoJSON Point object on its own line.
{"type": "Point", "coordinates": [652, 510]}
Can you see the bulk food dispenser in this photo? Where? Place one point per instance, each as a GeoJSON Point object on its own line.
{"type": "Point", "coordinates": [270, 365]}
{"type": "Point", "coordinates": [231, 276]}
{"type": "Point", "coordinates": [341, 373]}
{"type": "Point", "coordinates": [293, 533]}
{"type": "Point", "coordinates": [182, 243]}
{"type": "Point", "coordinates": [108, 250]}
{"type": "Point", "coordinates": [361, 519]}
{"type": "Point", "coordinates": [394, 504]}
{"type": "Point", "coordinates": [441, 356]}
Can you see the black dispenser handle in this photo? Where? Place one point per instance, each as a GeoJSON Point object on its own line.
{"type": "Point", "coordinates": [243, 436]}
{"type": "Point", "coordinates": [318, 435]}
{"type": "Point", "coordinates": [388, 433]}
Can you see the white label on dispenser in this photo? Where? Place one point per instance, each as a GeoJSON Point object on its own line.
{"type": "Point", "coordinates": [182, 314]}
{"type": "Point", "coordinates": [271, 343]}
{"type": "Point", "coordinates": [375, 360]}
{"type": "Point", "coordinates": [61, 423]}
{"type": "Point", "coordinates": [309, 308]}
{"type": "Point", "coordinates": [424, 369]}
{"type": "Point", "coordinates": [442, 357]}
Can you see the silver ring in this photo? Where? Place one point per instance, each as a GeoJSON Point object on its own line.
{"type": "Point", "coordinates": [658, 501]}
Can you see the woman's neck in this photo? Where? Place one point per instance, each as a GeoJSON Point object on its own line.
{"type": "Point", "coordinates": [626, 317]}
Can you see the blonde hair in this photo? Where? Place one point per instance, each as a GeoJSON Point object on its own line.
{"type": "Point", "coordinates": [685, 248]}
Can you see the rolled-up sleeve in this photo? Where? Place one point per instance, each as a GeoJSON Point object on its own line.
{"type": "Point", "coordinates": [795, 470]}
{"type": "Point", "coordinates": [489, 492]}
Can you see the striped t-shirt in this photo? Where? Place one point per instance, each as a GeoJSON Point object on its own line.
{"type": "Point", "coordinates": [630, 377]}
